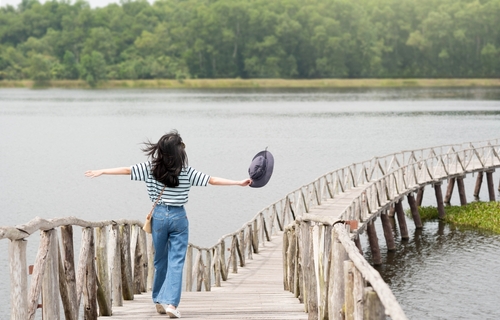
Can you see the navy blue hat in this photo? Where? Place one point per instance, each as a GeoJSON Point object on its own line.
{"type": "Point", "coordinates": [261, 169]}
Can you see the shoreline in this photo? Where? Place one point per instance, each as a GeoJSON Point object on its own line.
{"type": "Point", "coordinates": [255, 83]}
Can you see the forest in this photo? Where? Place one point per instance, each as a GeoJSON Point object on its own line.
{"type": "Point", "coordinates": [287, 39]}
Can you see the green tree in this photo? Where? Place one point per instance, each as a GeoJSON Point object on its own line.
{"type": "Point", "coordinates": [93, 68]}
{"type": "Point", "coordinates": [70, 66]}
{"type": "Point", "coordinates": [39, 69]}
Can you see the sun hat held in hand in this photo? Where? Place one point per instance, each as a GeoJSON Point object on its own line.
{"type": "Point", "coordinates": [261, 169]}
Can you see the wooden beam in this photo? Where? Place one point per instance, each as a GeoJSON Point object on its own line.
{"type": "Point", "coordinates": [403, 228]}
{"type": "Point", "coordinates": [461, 191]}
{"type": "Point", "coordinates": [449, 190]}
{"type": "Point", "coordinates": [420, 196]}
{"type": "Point", "coordinates": [479, 181]}
{"type": "Point", "coordinates": [439, 199]}
{"type": "Point", "coordinates": [414, 211]}
{"type": "Point", "coordinates": [373, 240]}
{"type": "Point", "coordinates": [389, 236]}
{"type": "Point", "coordinates": [491, 188]}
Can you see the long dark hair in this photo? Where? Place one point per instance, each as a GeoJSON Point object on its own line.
{"type": "Point", "coordinates": [168, 157]}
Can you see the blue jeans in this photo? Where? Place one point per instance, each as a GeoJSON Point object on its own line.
{"type": "Point", "coordinates": [170, 231]}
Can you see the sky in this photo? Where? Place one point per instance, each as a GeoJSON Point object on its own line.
{"type": "Point", "coordinates": [93, 3]}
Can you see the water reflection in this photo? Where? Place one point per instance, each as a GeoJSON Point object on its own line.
{"type": "Point", "coordinates": [434, 272]}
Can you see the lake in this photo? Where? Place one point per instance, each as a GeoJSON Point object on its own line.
{"type": "Point", "coordinates": [48, 138]}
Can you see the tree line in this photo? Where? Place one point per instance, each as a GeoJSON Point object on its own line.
{"type": "Point", "coordinates": [301, 39]}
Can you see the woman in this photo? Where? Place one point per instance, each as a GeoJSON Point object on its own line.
{"type": "Point", "coordinates": [168, 179]}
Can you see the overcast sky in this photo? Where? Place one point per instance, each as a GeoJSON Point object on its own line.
{"type": "Point", "coordinates": [93, 3]}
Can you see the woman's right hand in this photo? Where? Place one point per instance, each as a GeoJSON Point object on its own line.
{"type": "Point", "coordinates": [93, 173]}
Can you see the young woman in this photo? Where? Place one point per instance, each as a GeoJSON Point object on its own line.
{"type": "Point", "coordinates": [168, 179]}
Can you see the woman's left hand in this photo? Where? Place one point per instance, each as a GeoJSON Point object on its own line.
{"type": "Point", "coordinates": [245, 182]}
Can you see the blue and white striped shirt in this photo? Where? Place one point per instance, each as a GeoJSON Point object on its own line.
{"type": "Point", "coordinates": [177, 196]}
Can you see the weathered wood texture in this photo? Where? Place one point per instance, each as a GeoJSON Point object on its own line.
{"type": "Point", "coordinates": [345, 287]}
{"type": "Point", "coordinates": [255, 292]}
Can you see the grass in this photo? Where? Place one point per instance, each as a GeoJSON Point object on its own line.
{"type": "Point", "coordinates": [475, 215]}
{"type": "Point", "coordinates": [260, 83]}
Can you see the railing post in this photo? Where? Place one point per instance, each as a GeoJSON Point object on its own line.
{"type": "Point", "coordinates": [143, 247]}
{"type": "Point", "coordinates": [126, 263]}
{"type": "Point", "coordinates": [373, 310]}
{"type": "Point", "coordinates": [189, 268]}
{"type": "Point", "coordinates": [114, 263]}
{"type": "Point", "coordinates": [207, 277]}
{"type": "Point", "coordinates": [18, 280]}
{"type": "Point", "coordinates": [336, 286]}
{"type": "Point", "coordinates": [67, 275]}
{"type": "Point", "coordinates": [104, 288]}
{"type": "Point", "coordinates": [90, 281]}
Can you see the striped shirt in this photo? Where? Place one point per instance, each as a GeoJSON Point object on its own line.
{"type": "Point", "coordinates": [177, 196]}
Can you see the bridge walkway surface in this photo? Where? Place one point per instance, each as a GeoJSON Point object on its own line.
{"type": "Point", "coordinates": [255, 292]}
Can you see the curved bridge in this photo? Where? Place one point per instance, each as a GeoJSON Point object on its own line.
{"type": "Point", "coordinates": [356, 195]}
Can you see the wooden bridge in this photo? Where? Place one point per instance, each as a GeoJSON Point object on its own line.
{"type": "Point", "coordinates": [298, 258]}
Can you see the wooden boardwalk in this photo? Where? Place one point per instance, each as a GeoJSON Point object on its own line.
{"type": "Point", "coordinates": [255, 292]}
{"type": "Point", "coordinates": [358, 193]}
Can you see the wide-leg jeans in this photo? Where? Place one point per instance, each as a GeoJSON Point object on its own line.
{"type": "Point", "coordinates": [170, 231]}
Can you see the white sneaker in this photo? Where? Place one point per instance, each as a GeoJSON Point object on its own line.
{"type": "Point", "coordinates": [173, 313]}
{"type": "Point", "coordinates": [160, 309]}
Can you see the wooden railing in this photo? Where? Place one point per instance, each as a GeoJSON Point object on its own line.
{"type": "Point", "coordinates": [113, 265]}
{"type": "Point", "coordinates": [322, 265]}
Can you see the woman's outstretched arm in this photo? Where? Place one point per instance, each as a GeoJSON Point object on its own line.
{"type": "Point", "coordinates": [226, 182]}
{"type": "Point", "coordinates": [113, 171]}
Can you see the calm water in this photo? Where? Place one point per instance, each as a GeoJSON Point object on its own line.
{"type": "Point", "coordinates": [48, 138]}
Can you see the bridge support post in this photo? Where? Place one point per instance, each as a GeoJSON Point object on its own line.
{"type": "Point", "coordinates": [461, 191]}
{"type": "Point", "coordinates": [439, 199]}
{"type": "Point", "coordinates": [414, 211]}
{"type": "Point", "coordinates": [420, 196]}
{"type": "Point", "coordinates": [449, 190]}
{"type": "Point", "coordinates": [389, 236]}
{"type": "Point", "coordinates": [373, 240]}
{"type": "Point", "coordinates": [479, 181]}
{"type": "Point", "coordinates": [403, 228]}
{"type": "Point", "coordinates": [491, 188]}
{"type": "Point", "coordinates": [357, 242]}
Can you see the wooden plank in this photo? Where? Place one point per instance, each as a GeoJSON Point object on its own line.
{"type": "Point", "coordinates": [255, 292]}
